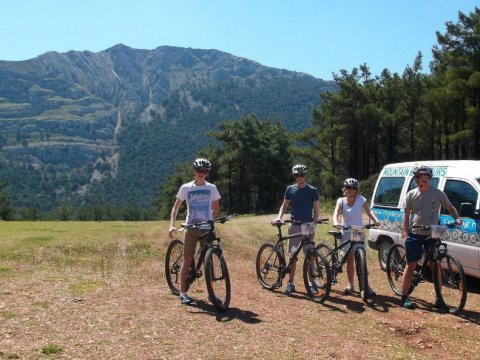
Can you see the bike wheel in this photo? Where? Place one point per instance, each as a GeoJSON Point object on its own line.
{"type": "Point", "coordinates": [316, 276]}
{"type": "Point", "coordinates": [396, 263]}
{"type": "Point", "coordinates": [173, 265]}
{"type": "Point", "coordinates": [383, 253]}
{"type": "Point", "coordinates": [452, 286]}
{"type": "Point", "coordinates": [217, 278]}
{"type": "Point", "coordinates": [268, 264]}
{"type": "Point", "coordinates": [362, 274]}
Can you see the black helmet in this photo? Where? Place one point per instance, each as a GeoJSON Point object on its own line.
{"type": "Point", "coordinates": [422, 169]}
{"type": "Point", "coordinates": [351, 182]}
{"type": "Point", "coordinates": [202, 164]}
{"type": "Point", "coordinates": [299, 169]}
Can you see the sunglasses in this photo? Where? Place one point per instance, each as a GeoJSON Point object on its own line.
{"type": "Point", "coordinates": [299, 175]}
{"type": "Point", "coordinates": [200, 171]}
{"type": "Point", "coordinates": [350, 187]}
{"type": "Point", "coordinates": [418, 176]}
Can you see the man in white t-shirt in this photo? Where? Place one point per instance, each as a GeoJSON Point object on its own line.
{"type": "Point", "coordinates": [203, 204]}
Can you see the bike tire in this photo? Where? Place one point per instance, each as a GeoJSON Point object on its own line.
{"type": "Point", "coordinates": [453, 287]}
{"type": "Point", "coordinates": [383, 249]}
{"type": "Point", "coordinates": [173, 265]}
{"type": "Point", "coordinates": [268, 264]}
{"type": "Point", "coordinates": [317, 267]}
{"type": "Point", "coordinates": [362, 274]}
{"type": "Point", "coordinates": [217, 279]}
{"type": "Point", "coordinates": [396, 263]}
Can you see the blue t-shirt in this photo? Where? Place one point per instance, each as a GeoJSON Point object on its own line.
{"type": "Point", "coordinates": [301, 201]}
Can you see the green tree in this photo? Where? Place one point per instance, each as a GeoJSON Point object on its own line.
{"type": "Point", "coordinates": [6, 209]}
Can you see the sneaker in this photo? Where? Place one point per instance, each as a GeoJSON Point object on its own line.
{"type": "Point", "coordinates": [407, 303]}
{"type": "Point", "coordinates": [439, 304]}
{"type": "Point", "coordinates": [290, 288]}
{"type": "Point", "coordinates": [185, 299]}
{"type": "Point", "coordinates": [314, 288]}
{"type": "Point", "coordinates": [349, 289]}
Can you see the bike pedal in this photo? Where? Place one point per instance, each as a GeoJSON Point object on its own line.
{"type": "Point", "coordinates": [199, 273]}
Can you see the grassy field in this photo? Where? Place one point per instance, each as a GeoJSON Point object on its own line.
{"type": "Point", "coordinates": [96, 290]}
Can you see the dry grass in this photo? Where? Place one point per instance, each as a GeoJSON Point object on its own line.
{"type": "Point", "coordinates": [97, 291]}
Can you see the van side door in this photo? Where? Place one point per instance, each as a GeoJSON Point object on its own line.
{"type": "Point", "coordinates": [464, 241]}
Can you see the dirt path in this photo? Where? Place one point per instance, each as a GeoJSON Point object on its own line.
{"type": "Point", "coordinates": [127, 312]}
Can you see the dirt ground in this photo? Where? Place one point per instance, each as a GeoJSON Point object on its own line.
{"type": "Point", "coordinates": [128, 312]}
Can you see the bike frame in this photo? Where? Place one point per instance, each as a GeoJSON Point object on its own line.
{"type": "Point", "coordinates": [211, 240]}
{"type": "Point", "coordinates": [337, 248]}
{"type": "Point", "coordinates": [294, 257]}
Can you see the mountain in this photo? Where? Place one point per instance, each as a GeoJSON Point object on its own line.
{"type": "Point", "coordinates": [84, 127]}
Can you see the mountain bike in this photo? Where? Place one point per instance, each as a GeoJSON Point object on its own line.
{"type": "Point", "coordinates": [448, 275]}
{"type": "Point", "coordinates": [338, 255]}
{"type": "Point", "coordinates": [271, 265]}
{"type": "Point", "coordinates": [209, 254]}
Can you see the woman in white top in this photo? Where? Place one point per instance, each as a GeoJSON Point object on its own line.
{"type": "Point", "coordinates": [350, 208]}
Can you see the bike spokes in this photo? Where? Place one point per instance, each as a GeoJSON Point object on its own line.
{"type": "Point", "coordinates": [396, 263]}
{"type": "Point", "coordinates": [173, 265]}
{"type": "Point", "coordinates": [268, 265]}
{"type": "Point", "coordinates": [450, 283]}
{"type": "Point", "coordinates": [218, 280]}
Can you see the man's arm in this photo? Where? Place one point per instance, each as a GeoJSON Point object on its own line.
{"type": "Point", "coordinates": [453, 211]}
{"type": "Point", "coordinates": [406, 223]}
{"type": "Point", "coordinates": [282, 210]}
{"type": "Point", "coordinates": [215, 208]}
{"type": "Point", "coordinates": [173, 217]}
{"type": "Point", "coordinates": [316, 210]}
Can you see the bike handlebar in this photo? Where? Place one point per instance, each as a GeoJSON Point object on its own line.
{"type": "Point", "coordinates": [357, 227]}
{"type": "Point", "coordinates": [221, 220]}
{"type": "Point", "coordinates": [429, 227]}
{"type": "Point", "coordinates": [297, 222]}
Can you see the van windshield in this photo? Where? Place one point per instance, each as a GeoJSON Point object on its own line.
{"type": "Point", "coordinates": [388, 191]}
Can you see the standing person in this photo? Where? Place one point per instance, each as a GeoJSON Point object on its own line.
{"type": "Point", "coordinates": [305, 207]}
{"type": "Point", "coordinates": [203, 204]}
{"type": "Point", "coordinates": [423, 203]}
{"type": "Point", "coordinates": [350, 207]}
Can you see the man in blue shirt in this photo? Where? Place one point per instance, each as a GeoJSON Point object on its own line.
{"type": "Point", "coordinates": [305, 207]}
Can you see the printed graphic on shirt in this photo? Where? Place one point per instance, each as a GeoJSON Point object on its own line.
{"type": "Point", "coordinates": [198, 205]}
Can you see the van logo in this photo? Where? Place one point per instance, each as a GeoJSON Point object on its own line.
{"type": "Point", "coordinates": [438, 171]}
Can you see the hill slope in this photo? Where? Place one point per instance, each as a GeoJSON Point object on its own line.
{"type": "Point", "coordinates": [79, 127]}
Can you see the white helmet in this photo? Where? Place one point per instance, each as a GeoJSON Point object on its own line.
{"type": "Point", "coordinates": [202, 164]}
{"type": "Point", "coordinates": [351, 182]}
{"type": "Point", "coordinates": [299, 169]}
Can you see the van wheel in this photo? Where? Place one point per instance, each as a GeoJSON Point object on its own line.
{"type": "Point", "coordinates": [383, 250]}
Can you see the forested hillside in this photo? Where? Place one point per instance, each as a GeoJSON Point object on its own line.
{"type": "Point", "coordinates": [82, 128]}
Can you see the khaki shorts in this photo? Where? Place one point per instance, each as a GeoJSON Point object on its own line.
{"type": "Point", "coordinates": [190, 242]}
{"type": "Point", "coordinates": [294, 243]}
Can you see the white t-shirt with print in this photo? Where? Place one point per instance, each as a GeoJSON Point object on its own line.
{"type": "Point", "coordinates": [199, 200]}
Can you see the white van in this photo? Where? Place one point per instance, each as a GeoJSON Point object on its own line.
{"type": "Point", "coordinates": [460, 180]}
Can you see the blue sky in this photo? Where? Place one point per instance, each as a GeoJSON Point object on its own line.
{"type": "Point", "coordinates": [316, 37]}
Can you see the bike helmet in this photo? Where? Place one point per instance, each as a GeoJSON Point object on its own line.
{"type": "Point", "coordinates": [299, 169]}
{"type": "Point", "coordinates": [351, 182]}
{"type": "Point", "coordinates": [202, 164]}
{"type": "Point", "coordinates": [422, 169]}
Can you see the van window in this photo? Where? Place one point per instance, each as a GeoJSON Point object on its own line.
{"type": "Point", "coordinates": [433, 183]}
{"type": "Point", "coordinates": [460, 192]}
{"type": "Point", "coordinates": [388, 191]}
